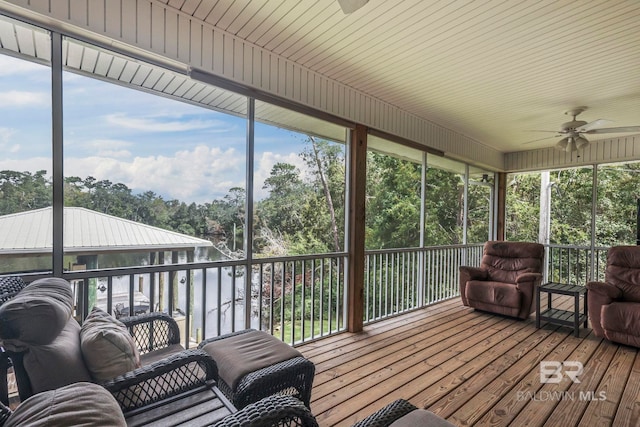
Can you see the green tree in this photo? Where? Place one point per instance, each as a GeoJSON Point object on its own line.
{"type": "Point", "coordinates": [523, 207]}
{"type": "Point", "coordinates": [444, 207]}
{"type": "Point", "coordinates": [24, 191]}
{"type": "Point", "coordinates": [393, 202]}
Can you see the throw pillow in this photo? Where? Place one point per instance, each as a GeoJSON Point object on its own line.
{"type": "Point", "coordinates": [107, 347]}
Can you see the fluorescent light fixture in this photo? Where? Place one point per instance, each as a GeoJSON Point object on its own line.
{"type": "Point", "coordinates": [349, 6]}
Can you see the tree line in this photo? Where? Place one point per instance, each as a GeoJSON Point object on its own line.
{"type": "Point", "coordinates": [302, 213]}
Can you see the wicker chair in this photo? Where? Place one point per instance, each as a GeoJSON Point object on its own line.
{"type": "Point", "coordinates": [155, 334]}
{"type": "Point", "coordinates": [155, 381]}
{"type": "Point", "coordinates": [270, 412]}
{"type": "Point", "coordinates": [168, 371]}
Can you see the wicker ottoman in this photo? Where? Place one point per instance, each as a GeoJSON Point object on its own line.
{"type": "Point", "coordinates": [253, 365]}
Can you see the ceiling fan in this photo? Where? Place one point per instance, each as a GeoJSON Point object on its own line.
{"type": "Point", "coordinates": [575, 130]}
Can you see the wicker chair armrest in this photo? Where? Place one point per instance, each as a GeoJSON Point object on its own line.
{"type": "Point", "coordinates": [165, 378]}
{"type": "Point", "coordinates": [277, 410]}
{"type": "Point", "coordinates": [387, 415]}
{"type": "Point", "coordinates": [152, 331]}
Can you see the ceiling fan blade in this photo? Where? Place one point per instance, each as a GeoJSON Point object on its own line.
{"type": "Point", "coordinates": [537, 130]}
{"type": "Point", "coordinates": [541, 139]}
{"type": "Point", "coordinates": [616, 130]}
{"type": "Point", "coordinates": [594, 124]}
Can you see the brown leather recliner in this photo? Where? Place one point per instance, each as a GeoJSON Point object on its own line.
{"type": "Point", "coordinates": [614, 305]}
{"type": "Point", "coordinates": [506, 280]}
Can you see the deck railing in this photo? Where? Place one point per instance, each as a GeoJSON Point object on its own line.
{"type": "Point", "coordinates": [399, 280]}
{"type": "Point", "coordinates": [299, 298]}
{"type": "Point", "coordinates": [575, 264]}
{"type": "Point", "coordinates": [296, 298]}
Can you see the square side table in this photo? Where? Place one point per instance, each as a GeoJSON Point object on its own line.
{"type": "Point", "coordinates": [562, 317]}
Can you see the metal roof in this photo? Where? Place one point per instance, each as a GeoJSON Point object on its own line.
{"type": "Point", "coordinates": [86, 231]}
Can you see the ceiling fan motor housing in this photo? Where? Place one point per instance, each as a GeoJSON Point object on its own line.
{"type": "Point", "coordinates": [572, 125]}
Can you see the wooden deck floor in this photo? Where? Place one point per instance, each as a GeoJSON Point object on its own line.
{"type": "Point", "coordinates": [474, 368]}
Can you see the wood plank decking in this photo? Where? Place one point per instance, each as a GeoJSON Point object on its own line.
{"type": "Point", "coordinates": [474, 368]}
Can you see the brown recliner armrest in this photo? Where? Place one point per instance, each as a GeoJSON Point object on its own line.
{"type": "Point", "coordinates": [526, 284]}
{"type": "Point", "coordinates": [528, 277]}
{"type": "Point", "coordinates": [470, 273]}
{"type": "Point", "coordinates": [474, 273]}
{"type": "Point", "coordinates": [600, 293]}
{"type": "Point", "coordinates": [606, 291]}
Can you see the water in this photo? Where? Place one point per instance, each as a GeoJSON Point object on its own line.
{"type": "Point", "coordinates": [223, 299]}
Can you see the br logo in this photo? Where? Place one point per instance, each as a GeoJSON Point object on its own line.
{"type": "Point", "coordinates": [552, 372]}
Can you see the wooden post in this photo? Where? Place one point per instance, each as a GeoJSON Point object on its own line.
{"type": "Point", "coordinates": [357, 190]}
{"type": "Point", "coordinates": [502, 199]}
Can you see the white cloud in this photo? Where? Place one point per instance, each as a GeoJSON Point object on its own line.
{"type": "Point", "coordinates": [152, 124]}
{"type": "Point", "coordinates": [6, 134]}
{"type": "Point", "coordinates": [115, 148]}
{"type": "Point", "coordinates": [199, 175]}
{"type": "Point", "coordinates": [265, 163]}
{"type": "Point", "coordinates": [17, 98]}
{"type": "Point", "coordinates": [6, 145]}
{"type": "Point", "coordinates": [32, 164]}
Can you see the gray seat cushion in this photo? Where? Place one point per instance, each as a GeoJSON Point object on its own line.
{"type": "Point", "coordinates": [80, 404]}
{"type": "Point", "coordinates": [159, 354]}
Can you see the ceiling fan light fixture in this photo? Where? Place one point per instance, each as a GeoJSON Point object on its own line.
{"type": "Point", "coordinates": [350, 6]}
{"type": "Point", "coordinates": [562, 144]}
{"type": "Point", "coordinates": [581, 142]}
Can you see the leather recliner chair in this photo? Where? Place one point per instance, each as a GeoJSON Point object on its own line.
{"type": "Point", "coordinates": [614, 305]}
{"type": "Point", "coordinates": [506, 280]}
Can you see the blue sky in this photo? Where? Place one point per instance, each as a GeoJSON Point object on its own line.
{"type": "Point", "coordinates": [144, 141]}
